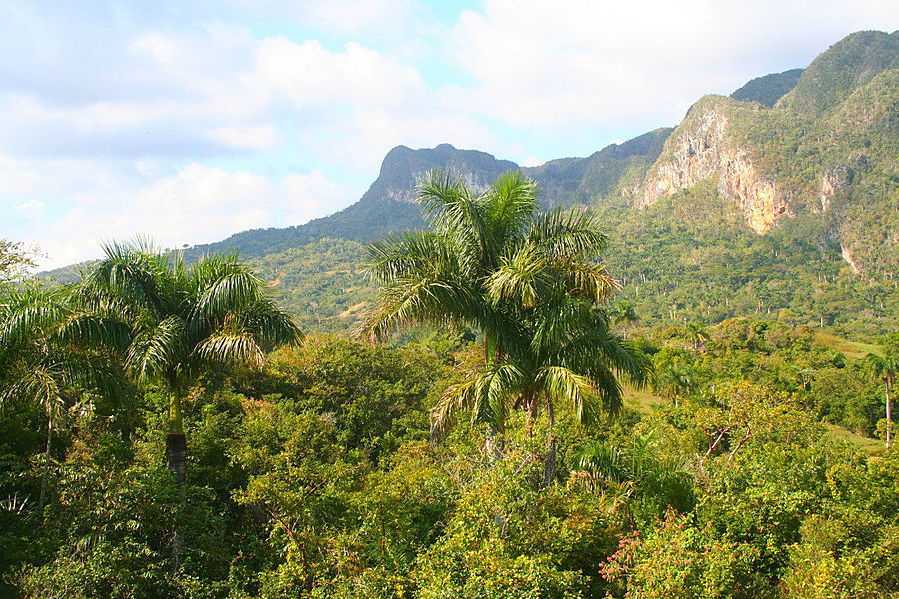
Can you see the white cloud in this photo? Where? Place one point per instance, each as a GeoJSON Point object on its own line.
{"type": "Point", "coordinates": [314, 76]}
{"type": "Point", "coordinates": [573, 65]}
{"type": "Point", "coordinates": [197, 204]}
{"type": "Point", "coordinates": [32, 209]}
{"type": "Point", "coordinates": [250, 138]}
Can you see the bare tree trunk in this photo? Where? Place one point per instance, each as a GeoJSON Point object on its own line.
{"type": "Point", "coordinates": [495, 443]}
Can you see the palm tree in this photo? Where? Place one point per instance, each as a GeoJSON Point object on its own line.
{"type": "Point", "coordinates": [696, 333]}
{"type": "Point", "coordinates": [674, 381]}
{"type": "Point", "coordinates": [40, 364]}
{"type": "Point", "coordinates": [529, 281]}
{"type": "Point", "coordinates": [639, 470]}
{"type": "Point", "coordinates": [624, 313]}
{"type": "Point", "coordinates": [884, 368]}
{"type": "Point", "coordinates": [171, 322]}
{"type": "Point", "coordinates": [439, 276]}
{"type": "Point", "coordinates": [573, 360]}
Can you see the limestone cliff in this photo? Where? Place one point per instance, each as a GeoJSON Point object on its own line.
{"type": "Point", "coordinates": [701, 148]}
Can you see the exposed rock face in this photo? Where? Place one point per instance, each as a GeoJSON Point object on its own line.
{"type": "Point", "coordinates": [702, 150]}
{"type": "Point", "coordinates": [833, 181]}
{"type": "Point", "coordinates": [847, 256]}
{"type": "Point", "coordinates": [403, 168]}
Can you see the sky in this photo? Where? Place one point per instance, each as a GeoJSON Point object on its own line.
{"type": "Point", "coordinates": [189, 121]}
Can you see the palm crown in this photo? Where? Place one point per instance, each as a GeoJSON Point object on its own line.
{"type": "Point", "coordinates": [530, 281]}
{"type": "Point", "coordinates": [171, 322]}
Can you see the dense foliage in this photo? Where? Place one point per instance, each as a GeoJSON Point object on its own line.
{"type": "Point", "coordinates": [759, 465]}
{"type": "Point", "coordinates": [316, 478]}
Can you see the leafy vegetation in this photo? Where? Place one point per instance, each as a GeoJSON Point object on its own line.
{"type": "Point", "coordinates": [757, 461]}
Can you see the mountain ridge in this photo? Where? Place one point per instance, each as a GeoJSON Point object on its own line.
{"type": "Point", "coordinates": [773, 158]}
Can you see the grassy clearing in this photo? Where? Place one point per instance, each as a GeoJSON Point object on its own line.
{"type": "Point", "coordinates": [641, 400]}
{"type": "Point", "coordinates": [644, 400]}
{"type": "Point", "coordinates": [853, 349]}
{"type": "Point", "coordinates": [866, 444]}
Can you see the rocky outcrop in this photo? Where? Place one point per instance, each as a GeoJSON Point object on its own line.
{"type": "Point", "coordinates": [701, 149]}
{"type": "Point", "coordinates": [833, 182]}
{"type": "Point", "coordinates": [847, 256]}
{"type": "Point", "coordinates": [403, 168]}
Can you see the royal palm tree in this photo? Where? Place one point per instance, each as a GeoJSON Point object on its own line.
{"type": "Point", "coordinates": [172, 322]}
{"type": "Point", "coordinates": [675, 380]}
{"type": "Point", "coordinates": [623, 313]}
{"type": "Point", "coordinates": [884, 368]}
{"type": "Point", "coordinates": [529, 281]}
{"type": "Point", "coordinates": [697, 334]}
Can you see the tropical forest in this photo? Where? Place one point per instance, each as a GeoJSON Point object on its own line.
{"type": "Point", "coordinates": [665, 370]}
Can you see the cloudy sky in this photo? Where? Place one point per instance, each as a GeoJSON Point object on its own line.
{"type": "Point", "coordinates": [189, 121]}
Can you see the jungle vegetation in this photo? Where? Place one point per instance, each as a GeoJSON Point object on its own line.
{"type": "Point", "coordinates": [533, 426]}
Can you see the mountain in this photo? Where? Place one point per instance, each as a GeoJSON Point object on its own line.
{"type": "Point", "coordinates": [388, 204]}
{"type": "Point", "coordinates": [781, 199]}
{"type": "Point", "coordinates": [581, 180]}
{"type": "Point", "coordinates": [826, 153]}
{"type": "Point", "coordinates": [846, 66]}
{"type": "Point", "coordinates": [818, 144]}
{"type": "Point", "coordinates": [768, 89]}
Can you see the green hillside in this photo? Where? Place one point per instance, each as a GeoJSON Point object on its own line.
{"type": "Point", "coordinates": [768, 89]}
{"type": "Point", "coordinates": [850, 63]}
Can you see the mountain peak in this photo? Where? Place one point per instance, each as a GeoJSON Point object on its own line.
{"type": "Point", "coordinates": [844, 67]}
{"type": "Point", "coordinates": [768, 89]}
{"type": "Point", "coordinates": [403, 168]}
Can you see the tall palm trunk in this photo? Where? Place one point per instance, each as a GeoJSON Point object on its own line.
{"type": "Point", "coordinates": [495, 442]}
{"type": "Point", "coordinates": [176, 443]}
{"type": "Point", "coordinates": [176, 457]}
{"type": "Point", "coordinates": [888, 410]}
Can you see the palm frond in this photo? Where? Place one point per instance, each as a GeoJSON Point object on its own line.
{"type": "Point", "coordinates": [486, 396]}
{"type": "Point", "coordinates": [231, 348]}
{"type": "Point", "coordinates": [510, 204]}
{"type": "Point", "coordinates": [566, 386]}
{"type": "Point", "coordinates": [156, 351]}
{"type": "Point", "coordinates": [269, 324]}
{"type": "Point", "coordinates": [569, 233]}
{"type": "Point", "coordinates": [92, 329]}
{"type": "Point", "coordinates": [28, 313]}
{"type": "Point", "coordinates": [402, 255]}
{"type": "Point", "coordinates": [517, 277]}
{"type": "Point", "coordinates": [228, 288]}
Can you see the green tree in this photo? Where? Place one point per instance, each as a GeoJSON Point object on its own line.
{"type": "Point", "coordinates": [171, 322]}
{"type": "Point", "coordinates": [624, 313]}
{"type": "Point", "coordinates": [675, 380]}
{"type": "Point", "coordinates": [15, 260]}
{"type": "Point", "coordinates": [884, 368]}
{"type": "Point", "coordinates": [41, 364]}
{"type": "Point", "coordinates": [530, 281]}
{"type": "Point", "coordinates": [697, 334]}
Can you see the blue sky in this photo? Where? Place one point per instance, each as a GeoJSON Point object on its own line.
{"type": "Point", "coordinates": [191, 121]}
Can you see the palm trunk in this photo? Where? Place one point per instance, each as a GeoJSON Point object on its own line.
{"type": "Point", "coordinates": [176, 457]}
{"type": "Point", "coordinates": [45, 473]}
{"type": "Point", "coordinates": [176, 443]}
{"type": "Point", "coordinates": [888, 413]}
{"type": "Point", "coordinates": [495, 443]}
